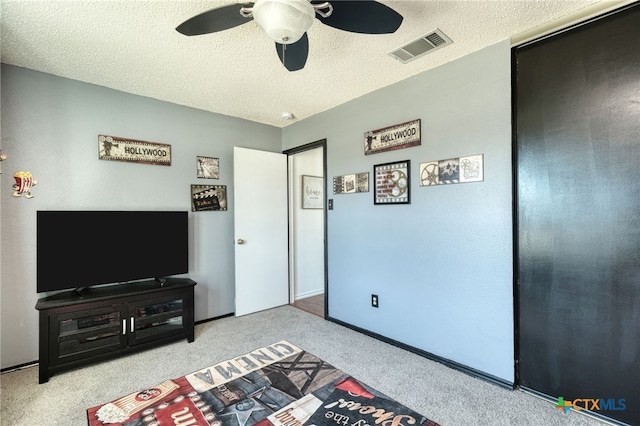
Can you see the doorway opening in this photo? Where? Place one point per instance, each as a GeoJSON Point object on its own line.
{"type": "Point", "coordinates": [312, 304]}
{"type": "Point", "coordinates": [307, 227]}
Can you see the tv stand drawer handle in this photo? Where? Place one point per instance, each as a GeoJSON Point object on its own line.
{"type": "Point", "coordinates": [132, 324]}
{"type": "Point", "coordinates": [124, 327]}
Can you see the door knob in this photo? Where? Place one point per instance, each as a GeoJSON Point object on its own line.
{"type": "Point", "coordinates": [239, 241]}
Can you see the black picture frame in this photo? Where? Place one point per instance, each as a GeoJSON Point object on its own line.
{"type": "Point", "coordinates": [392, 183]}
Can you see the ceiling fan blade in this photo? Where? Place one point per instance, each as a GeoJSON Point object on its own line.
{"type": "Point", "coordinates": [362, 16]}
{"type": "Point", "coordinates": [295, 55]}
{"type": "Point", "coordinates": [219, 19]}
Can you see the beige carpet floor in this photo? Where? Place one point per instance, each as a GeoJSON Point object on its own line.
{"type": "Point", "coordinates": [438, 392]}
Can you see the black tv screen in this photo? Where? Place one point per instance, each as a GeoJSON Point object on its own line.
{"type": "Point", "coordinates": [77, 249]}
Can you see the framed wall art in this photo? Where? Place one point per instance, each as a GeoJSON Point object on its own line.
{"type": "Point", "coordinates": [120, 149]}
{"type": "Point", "coordinates": [472, 168]}
{"type": "Point", "coordinates": [429, 173]}
{"type": "Point", "coordinates": [403, 135]}
{"type": "Point", "coordinates": [208, 198]}
{"type": "Point", "coordinates": [312, 192]}
{"type": "Point", "coordinates": [453, 170]}
{"type": "Point", "coordinates": [207, 167]}
{"type": "Point", "coordinates": [449, 171]}
{"type": "Point", "coordinates": [350, 184]}
{"type": "Point", "coordinates": [392, 183]}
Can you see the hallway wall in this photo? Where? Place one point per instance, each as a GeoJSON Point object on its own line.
{"type": "Point", "coordinates": [306, 238]}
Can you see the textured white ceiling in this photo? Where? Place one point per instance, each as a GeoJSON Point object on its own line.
{"type": "Point", "coordinates": [132, 46]}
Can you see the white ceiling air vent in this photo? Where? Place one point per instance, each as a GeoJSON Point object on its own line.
{"type": "Point", "coordinates": [421, 46]}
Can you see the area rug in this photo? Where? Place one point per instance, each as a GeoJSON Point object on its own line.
{"type": "Point", "coordinates": [277, 385]}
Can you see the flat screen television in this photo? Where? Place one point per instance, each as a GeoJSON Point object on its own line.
{"type": "Point", "coordinates": [78, 249]}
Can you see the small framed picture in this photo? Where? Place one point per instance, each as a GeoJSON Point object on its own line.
{"type": "Point", "coordinates": [429, 173]}
{"type": "Point", "coordinates": [208, 198]}
{"type": "Point", "coordinates": [312, 192]}
{"type": "Point", "coordinates": [391, 183]}
{"type": "Point", "coordinates": [472, 168]}
{"type": "Point", "coordinates": [207, 167]}
{"type": "Point", "coordinates": [453, 170]}
{"type": "Point", "coordinates": [350, 184]}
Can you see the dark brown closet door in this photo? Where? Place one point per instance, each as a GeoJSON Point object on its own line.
{"type": "Point", "coordinates": [577, 165]}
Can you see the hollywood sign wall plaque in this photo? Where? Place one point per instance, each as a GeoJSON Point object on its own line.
{"type": "Point", "coordinates": [398, 136]}
{"type": "Point", "coordinates": [131, 150]}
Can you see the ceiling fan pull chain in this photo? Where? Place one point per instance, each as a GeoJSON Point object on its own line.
{"type": "Point", "coordinates": [284, 49]}
{"type": "Point", "coordinates": [319, 9]}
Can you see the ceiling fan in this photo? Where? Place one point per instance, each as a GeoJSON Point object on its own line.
{"type": "Point", "coordinates": [287, 22]}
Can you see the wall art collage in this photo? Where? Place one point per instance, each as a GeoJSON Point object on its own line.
{"type": "Point", "coordinates": [208, 197]}
{"type": "Point", "coordinates": [392, 180]}
{"type": "Point", "coordinates": [203, 197]}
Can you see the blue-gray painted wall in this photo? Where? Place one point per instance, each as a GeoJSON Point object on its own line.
{"type": "Point", "coordinates": [442, 265]}
{"type": "Point", "coordinates": [50, 126]}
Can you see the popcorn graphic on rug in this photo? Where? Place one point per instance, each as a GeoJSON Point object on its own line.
{"type": "Point", "coordinates": [119, 411]}
{"type": "Point", "coordinates": [24, 182]}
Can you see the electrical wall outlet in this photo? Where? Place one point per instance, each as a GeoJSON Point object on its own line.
{"type": "Point", "coordinates": [374, 300]}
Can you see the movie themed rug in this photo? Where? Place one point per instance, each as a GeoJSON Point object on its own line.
{"type": "Point", "coordinates": [277, 385]}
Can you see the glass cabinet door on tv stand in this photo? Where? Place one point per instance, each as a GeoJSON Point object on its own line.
{"type": "Point", "coordinates": [81, 334]}
{"type": "Point", "coordinates": [155, 318]}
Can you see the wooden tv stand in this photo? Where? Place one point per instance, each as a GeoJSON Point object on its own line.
{"type": "Point", "coordinates": [111, 321]}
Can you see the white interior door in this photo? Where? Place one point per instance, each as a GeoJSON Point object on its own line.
{"type": "Point", "coordinates": [261, 240]}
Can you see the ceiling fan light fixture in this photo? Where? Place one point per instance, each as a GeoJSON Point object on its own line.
{"type": "Point", "coordinates": [284, 21]}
